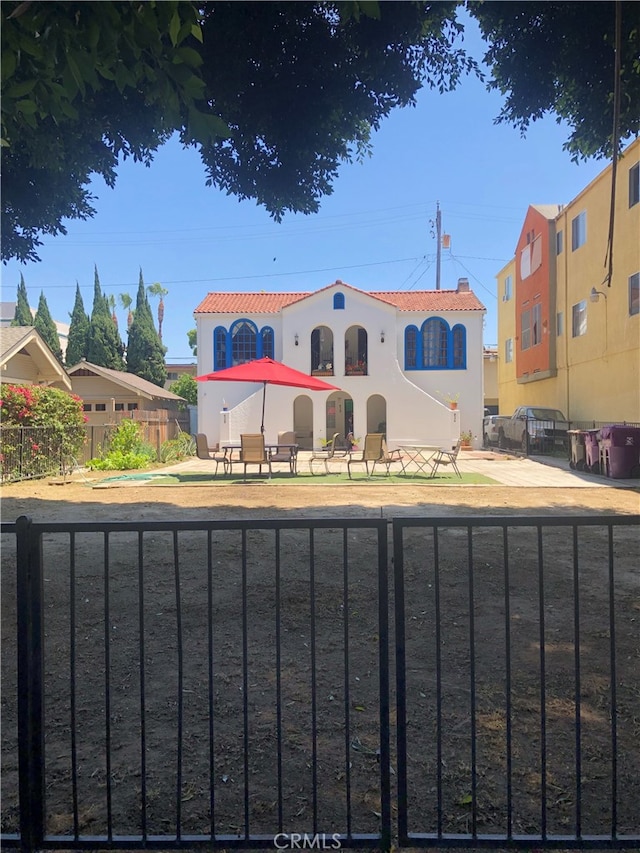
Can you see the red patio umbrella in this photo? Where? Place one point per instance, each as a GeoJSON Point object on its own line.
{"type": "Point", "coordinates": [267, 371]}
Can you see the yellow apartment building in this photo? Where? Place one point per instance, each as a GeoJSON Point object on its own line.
{"type": "Point", "coordinates": [568, 332]}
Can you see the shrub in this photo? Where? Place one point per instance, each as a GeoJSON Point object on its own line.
{"type": "Point", "coordinates": [126, 450]}
{"type": "Point", "coordinates": [176, 449]}
{"type": "Point", "coordinates": [55, 423]}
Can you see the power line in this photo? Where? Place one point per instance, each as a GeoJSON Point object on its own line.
{"type": "Point", "coordinates": [273, 275]}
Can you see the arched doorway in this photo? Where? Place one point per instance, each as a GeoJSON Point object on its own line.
{"type": "Point", "coordinates": [339, 414]}
{"type": "Point", "coordinates": [303, 421]}
{"type": "Point", "coordinates": [377, 414]}
{"type": "Point", "coordinates": [356, 354]}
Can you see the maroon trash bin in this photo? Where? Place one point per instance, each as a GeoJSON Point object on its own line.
{"type": "Point", "coordinates": [620, 451]}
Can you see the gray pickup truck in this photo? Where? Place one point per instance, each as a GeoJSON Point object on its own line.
{"type": "Point", "coordinates": [530, 429]}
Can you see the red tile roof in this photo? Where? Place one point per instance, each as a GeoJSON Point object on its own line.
{"type": "Point", "coordinates": [403, 300]}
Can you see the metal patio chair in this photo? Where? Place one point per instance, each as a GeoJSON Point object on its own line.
{"type": "Point", "coordinates": [372, 452]}
{"type": "Point", "coordinates": [253, 451]}
{"type": "Point", "coordinates": [447, 457]}
{"type": "Point", "coordinates": [330, 451]}
{"type": "Point", "coordinates": [203, 452]}
{"type": "Point", "coordinates": [286, 450]}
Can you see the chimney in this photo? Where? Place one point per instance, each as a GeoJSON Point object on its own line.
{"type": "Point", "coordinates": [463, 285]}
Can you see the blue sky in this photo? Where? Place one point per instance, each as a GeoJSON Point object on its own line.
{"type": "Point", "coordinates": [375, 231]}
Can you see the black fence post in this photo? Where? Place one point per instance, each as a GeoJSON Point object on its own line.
{"type": "Point", "coordinates": [30, 685]}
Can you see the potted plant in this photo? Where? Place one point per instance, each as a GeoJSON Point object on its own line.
{"type": "Point", "coordinates": [450, 399]}
{"type": "Point", "coordinates": [466, 437]}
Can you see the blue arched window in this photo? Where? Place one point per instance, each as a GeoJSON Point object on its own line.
{"type": "Point", "coordinates": [459, 338]}
{"type": "Point", "coordinates": [266, 342]}
{"type": "Point", "coordinates": [219, 348]}
{"type": "Point", "coordinates": [244, 341]}
{"type": "Point", "coordinates": [434, 343]}
{"type": "Point", "coordinates": [411, 348]}
{"type": "Point", "coordinates": [338, 301]}
{"type": "Point", "coordinates": [241, 344]}
{"type": "Point", "coordinates": [435, 346]}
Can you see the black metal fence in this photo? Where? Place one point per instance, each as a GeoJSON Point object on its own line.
{"type": "Point", "coordinates": [32, 452]}
{"type": "Point", "coordinates": [227, 683]}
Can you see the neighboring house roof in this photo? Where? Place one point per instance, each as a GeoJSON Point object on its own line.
{"type": "Point", "coordinates": [402, 300]}
{"type": "Point", "coordinates": [130, 381]}
{"type": "Point", "coordinates": [26, 340]}
{"type": "Point", "coordinates": [7, 312]}
{"type": "Point", "coordinates": [549, 211]}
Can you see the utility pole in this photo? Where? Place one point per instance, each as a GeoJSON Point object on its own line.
{"type": "Point", "coordinates": [439, 243]}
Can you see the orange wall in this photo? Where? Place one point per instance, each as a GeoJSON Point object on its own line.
{"type": "Point", "coordinates": [534, 290]}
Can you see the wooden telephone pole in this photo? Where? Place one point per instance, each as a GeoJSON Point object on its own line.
{"type": "Point", "coordinates": [438, 243]}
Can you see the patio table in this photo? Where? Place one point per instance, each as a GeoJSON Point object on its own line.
{"type": "Point", "coordinates": [420, 454]}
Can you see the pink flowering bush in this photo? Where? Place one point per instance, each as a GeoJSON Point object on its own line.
{"type": "Point", "coordinates": [52, 428]}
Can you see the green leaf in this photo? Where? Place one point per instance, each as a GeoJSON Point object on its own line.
{"type": "Point", "coordinates": [75, 71]}
{"type": "Point", "coordinates": [20, 89]}
{"type": "Point", "coordinates": [27, 107]}
{"type": "Point", "coordinates": [196, 32]}
{"type": "Point", "coordinates": [174, 29]}
{"type": "Point", "coordinates": [9, 63]}
{"type": "Point", "coordinates": [189, 56]}
{"type": "Point", "coordinates": [466, 800]}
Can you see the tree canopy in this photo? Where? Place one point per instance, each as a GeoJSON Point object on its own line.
{"type": "Point", "coordinates": [78, 340]}
{"type": "Point", "coordinates": [43, 322]}
{"type": "Point", "coordinates": [104, 345]}
{"type": "Point", "coordinates": [559, 57]}
{"type": "Point", "coordinates": [145, 351]}
{"type": "Point", "coordinates": [276, 95]}
{"type": "Point", "coordinates": [22, 315]}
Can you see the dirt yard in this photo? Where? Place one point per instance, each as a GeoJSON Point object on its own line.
{"type": "Point", "coordinates": [266, 629]}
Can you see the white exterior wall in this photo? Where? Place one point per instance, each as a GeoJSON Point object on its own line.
{"type": "Point", "coordinates": [415, 413]}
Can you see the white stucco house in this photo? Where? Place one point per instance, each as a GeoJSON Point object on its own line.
{"type": "Point", "coordinates": [397, 358]}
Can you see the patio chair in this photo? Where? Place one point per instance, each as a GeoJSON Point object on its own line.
{"type": "Point", "coordinates": [447, 457]}
{"type": "Point", "coordinates": [286, 450]}
{"type": "Point", "coordinates": [390, 456]}
{"type": "Point", "coordinates": [203, 452]}
{"type": "Point", "coordinates": [372, 452]}
{"type": "Point", "coordinates": [253, 451]}
{"type": "Point", "coordinates": [330, 451]}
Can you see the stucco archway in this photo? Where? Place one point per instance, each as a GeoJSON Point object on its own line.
{"type": "Point", "coordinates": [303, 421]}
{"type": "Point", "coordinates": [377, 414]}
{"type": "Point", "coordinates": [339, 414]}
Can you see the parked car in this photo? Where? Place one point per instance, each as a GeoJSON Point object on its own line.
{"type": "Point", "coordinates": [490, 432]}
{"type": "Point", "coordinates": [533, 428]}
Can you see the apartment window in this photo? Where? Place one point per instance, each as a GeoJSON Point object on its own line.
{"type": "Point", "coordinates": [338, 301]}
{"type": "Point", "coordinates": [508, 350]}
{"type": "Point", "coordinates": [634, 294]}
{"type": "Point", "coordinates": [86, 407]}
{"type": "Point", "coordinates": [172, 375]}
{"type": "Point", "coordinates": [119, 407]}
{"type": "Point", "coordinates": [525, 330]}
{"type": "Point", "coordinates": [579, 319]}
{"type": "Point", "coordinates": [579, 231]}
{"type": "Point", "coordinates": [536, 329]}
{"type": "Point", "coordinates": [508, 288]}
{"type": "Point", "coordinates": [559, 242]}
{"type": "Point", "coordinates": [132, 407]}
{"type": "Point", "coordinates": [634, 185]}
{"type": "Point", "coordinates": [560, 323]}
{"type": "Point", "coordinates": [101, 407]}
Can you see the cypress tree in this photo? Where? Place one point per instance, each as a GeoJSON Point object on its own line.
{"type": "Point", "coordinates": [104, 345]}
{"type": "Point", "coordinates": [22, 316]}
{"type": "Point", "coordinates": [47, 328]}
{"type": "Point", "coordinates": [77, 345]}
{"type": "Point", "coordinates": [145, 352]}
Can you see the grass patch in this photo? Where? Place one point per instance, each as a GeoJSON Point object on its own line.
{"type": "Point", "coordinates": [187, 478]}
